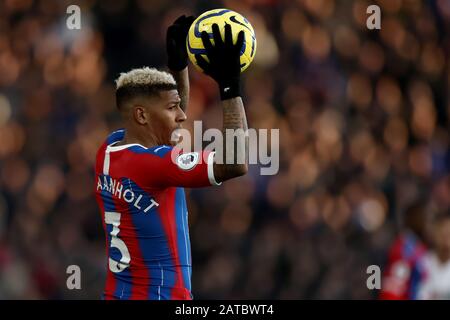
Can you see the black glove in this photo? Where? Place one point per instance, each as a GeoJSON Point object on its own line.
{"type": "Point", "coordinates": [224, 61]}
{"type": "Point", "coordinates": [176, 43]}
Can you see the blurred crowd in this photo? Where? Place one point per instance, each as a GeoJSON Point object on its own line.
{"type": "Point", "coordinates": [364, 119]}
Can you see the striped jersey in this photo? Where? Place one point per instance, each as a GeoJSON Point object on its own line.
{"type": "Point", "coordinates": [140, 193]}
{"type": "Point", "coordinates": [404, 271]}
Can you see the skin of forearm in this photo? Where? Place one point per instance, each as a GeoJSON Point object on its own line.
{"type": "Point", "coordinates": [234, 118]}
{"type": "Point", "coordinates": [182, 79]}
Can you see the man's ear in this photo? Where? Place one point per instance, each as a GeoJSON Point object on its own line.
{"type": "Point", "coordinates": [140, 115]}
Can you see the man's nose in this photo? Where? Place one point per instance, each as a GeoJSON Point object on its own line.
{"type": "Point", "coordinates": [181, 117]}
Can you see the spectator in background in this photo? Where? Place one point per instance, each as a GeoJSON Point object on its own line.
{"type": "Point", "coordinates": [404, 271]}
{"type": "Point", "coordinates": [436, 263]}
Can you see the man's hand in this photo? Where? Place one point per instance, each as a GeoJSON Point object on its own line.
{"type": "Point", "coordinates": [225, 68]}
{"type": "Point", "coordinates": [176, 43]}
{"type": "Point", "coordinates": [224, 61]}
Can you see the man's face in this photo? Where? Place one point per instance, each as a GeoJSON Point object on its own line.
{"type": "Point", "coordinates": [165, 116]}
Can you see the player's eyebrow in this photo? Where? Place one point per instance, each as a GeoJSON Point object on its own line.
{"type": "Point", "coordinates": [174, 102]}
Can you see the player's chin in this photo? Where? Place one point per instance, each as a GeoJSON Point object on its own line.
{"type": "Point", "coordinates": [175, 137]}
{"type": "Point", "coordinates": [175, 140]}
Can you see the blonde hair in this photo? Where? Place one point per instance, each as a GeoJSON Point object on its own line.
{"type": "Point", "coordinates": [144, 77]}
{"type": "Point", "coordinates": [142, 82]}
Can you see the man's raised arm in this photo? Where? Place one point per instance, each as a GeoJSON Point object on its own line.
{"type": "Point", "coordinates": [177, 56]}
{"type": "Point", "coordinates": [224, 67]}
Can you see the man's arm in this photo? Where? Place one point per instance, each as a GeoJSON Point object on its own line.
{"type": "Point", "coordinates": [224, 67]}
{"type": "Point", "coordinates": [233, 118]}
{"type": "Point", "coordinates": [177, 56]}
{"type": "Point", "coordinates": [182, 79]}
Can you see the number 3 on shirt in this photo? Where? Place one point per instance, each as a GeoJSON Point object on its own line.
{"type": "Point", "coordinates": [113, 218]}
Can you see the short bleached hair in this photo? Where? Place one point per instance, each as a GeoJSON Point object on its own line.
{"type": "Point", "coordinates": [140, 82]}
{"type": "Point", "coordinates": [144, 76]}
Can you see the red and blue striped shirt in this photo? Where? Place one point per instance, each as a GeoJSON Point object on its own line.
{"type": "Point", "coordinates": [141, 197]}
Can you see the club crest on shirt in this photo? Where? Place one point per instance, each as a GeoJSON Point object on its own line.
{"type": "Point", "coordinates": [187, 161]}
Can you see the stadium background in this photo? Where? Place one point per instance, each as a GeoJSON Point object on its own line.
{"type": "Point", "coordinates": [364, 119]}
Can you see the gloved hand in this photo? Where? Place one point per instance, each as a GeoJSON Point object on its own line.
{"type": "Point", "coordinates": [176, 43]}
{"type": "Point", "coordinates": [224, 61]}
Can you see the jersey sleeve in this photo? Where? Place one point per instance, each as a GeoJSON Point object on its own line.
{"type": "Point", "coordinates": [191, 170]}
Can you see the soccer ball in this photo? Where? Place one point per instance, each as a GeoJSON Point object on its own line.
{"type": "Point", "coordinates": [222, 17]}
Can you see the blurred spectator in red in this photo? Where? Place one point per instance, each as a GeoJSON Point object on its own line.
{"type": "Point", "coordinates": [404, 270]}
